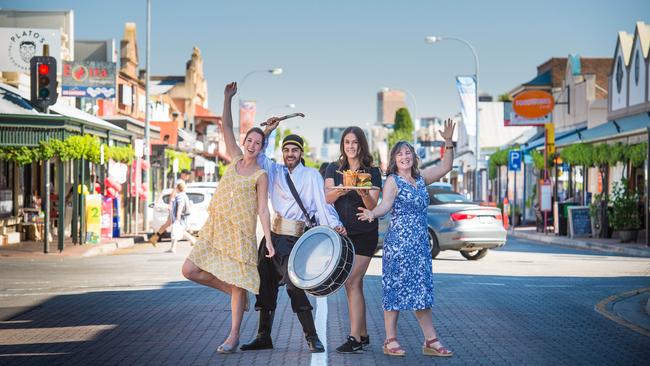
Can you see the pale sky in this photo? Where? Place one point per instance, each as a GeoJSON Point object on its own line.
{"type": "Point", "coordinates": [338, 54]}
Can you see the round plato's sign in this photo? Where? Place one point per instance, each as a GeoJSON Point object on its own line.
{"type": "Point", "coordinates": [533, 104]}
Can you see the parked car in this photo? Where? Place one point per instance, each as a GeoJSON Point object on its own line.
{"type": "Point", "coordinates": [441, 185]}
{"type": "Point", "coordinates": [456, 223]}
{"type": "Point", "coordinates": [205, 185]}
{"type": "Point", "coordinates": [200, 198]}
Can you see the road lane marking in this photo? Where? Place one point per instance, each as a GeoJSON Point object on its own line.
{"type": "Point", "coordinates": [320, 359]}
{"type": "Point", "coordinates": [550, 286]}
{"type": "Point", "coordinates": [34, 354]}
{"type": "Point", "coordinates": [50, 335]}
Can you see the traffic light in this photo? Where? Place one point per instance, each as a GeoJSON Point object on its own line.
{"type": "Point", "coordinates": [43, 81]}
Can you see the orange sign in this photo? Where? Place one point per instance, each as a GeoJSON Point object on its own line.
{"type": "Point", "coordinates": [533, 104]}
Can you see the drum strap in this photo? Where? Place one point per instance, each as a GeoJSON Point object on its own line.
{"type": "Point", "coordinates": [312, 221]}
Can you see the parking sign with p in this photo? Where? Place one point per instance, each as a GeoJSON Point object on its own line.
{"type": "Point", "coordinates": [514, 160]}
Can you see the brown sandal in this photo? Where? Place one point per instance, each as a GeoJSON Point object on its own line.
{"type": "Point", "coordinates": [429, 350]}
{"type": "Point", "coordinates": [393, 351]}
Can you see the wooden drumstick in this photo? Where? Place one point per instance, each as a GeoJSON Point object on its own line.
{"type": "Point", "coordinates": [287, 117]}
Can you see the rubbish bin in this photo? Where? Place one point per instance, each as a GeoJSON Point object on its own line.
{"type": "Point", "coordinates": [563, 216]}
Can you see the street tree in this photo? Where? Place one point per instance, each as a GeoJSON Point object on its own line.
{"type": "Point", "coordinates": [403, 128]}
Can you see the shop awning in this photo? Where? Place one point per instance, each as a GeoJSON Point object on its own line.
{"type": "Point", "coordinates": [560, 138]}
{"type": "Point", "coordinates": [22, 125]}
{"type": "Point", "coordinates": [612, 129]}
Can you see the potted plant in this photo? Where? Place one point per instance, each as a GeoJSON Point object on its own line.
{"type": "Point", "coordinates": [624, 214]}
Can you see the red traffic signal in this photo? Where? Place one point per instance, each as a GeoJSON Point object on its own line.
{"type": "Point", "coordinates": [43, 81]}
{"type": "Point", "coordinates": [43, 69]}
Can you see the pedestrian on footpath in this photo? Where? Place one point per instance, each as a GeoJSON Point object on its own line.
{"type": "Point", "coordinates": [298, 198]}
{"type": "Point", "coordinates": [185, 174]}
{"type": "Point", "coordinates": [407, 277]}
{"type": "Point", "coordinates": [180, 210]}
{"type": "Point", "coordinates": [355, 156]}
{"type": "Point", "coordinates": [225, 256]}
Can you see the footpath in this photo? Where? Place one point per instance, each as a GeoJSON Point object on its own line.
{"type": "Point", "coordinates": [630, 309]}
{"type": "Point", "coordinates": [35, 249]}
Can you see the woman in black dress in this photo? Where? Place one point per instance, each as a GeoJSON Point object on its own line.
{"type": "Point", "coordinates": [355, 156]}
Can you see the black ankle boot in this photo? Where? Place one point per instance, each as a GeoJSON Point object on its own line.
{"type": "Point", "coordinates": [308, 327]}
{"type": "Point", "coordinates": [263, 338]}
{"type": "Point", "coordinates": [314, 344]}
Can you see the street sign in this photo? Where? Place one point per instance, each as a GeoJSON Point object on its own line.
{"type": "Point", "coordinates": [514, 160]}
{"type": "Point", "coordinates": [545, 195]}
{"type": "Point", "coordinates": [550, 138]}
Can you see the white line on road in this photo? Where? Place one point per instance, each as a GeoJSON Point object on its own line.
{"type": "Point", "coordinates": [552, 286]}
{"type": "Point", "coordinates": [320, 359]}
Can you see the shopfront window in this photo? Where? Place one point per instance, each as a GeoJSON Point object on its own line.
{"type": "Point", "coordinates": [6, 185]}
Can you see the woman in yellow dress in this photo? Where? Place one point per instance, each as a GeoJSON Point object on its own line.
{"type": "Point", "coordinates": [225, 255]}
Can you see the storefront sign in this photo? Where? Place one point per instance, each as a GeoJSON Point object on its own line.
{"type": "Point", "coordinates": [511, 118]}
{"type": "Point", "coordinates": [19, 45]}
{"type": "Point", "coordinates": [533, 104]}
{"type": "Point", "coordinates": [93, 218]}
{"type": "Point", "coordinates": [89, 79]}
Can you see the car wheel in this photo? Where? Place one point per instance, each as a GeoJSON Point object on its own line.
{"type": "Point", "coordinates": [474, 255]}
{"type": "Point", "coordinates": [434, 246]}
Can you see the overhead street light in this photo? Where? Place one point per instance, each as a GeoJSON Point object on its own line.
{"type": "Point", "coordinates": [477, 152]}
{"type": "Point", "coordinates": [273, 71]}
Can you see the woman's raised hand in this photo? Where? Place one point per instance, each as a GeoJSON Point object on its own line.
{"type": "Point", "coordinates": [448, 132]}
{"type": "Point", "coordinates": [230, 90]}
{"type": "Point", "coordinates": [271, 124]}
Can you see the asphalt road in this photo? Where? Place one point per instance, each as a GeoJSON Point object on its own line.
{"type": "Point", "coordinates": [523, 304]}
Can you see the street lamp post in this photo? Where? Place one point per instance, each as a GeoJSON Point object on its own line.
{"type": "Point", "coordinates": [477, 153]}
{"type": "Point", "coordinates": [273, 71]}
{"type": "Point", "coordinates": [147, 153]}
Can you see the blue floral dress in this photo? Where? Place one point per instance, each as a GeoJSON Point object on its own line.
{"type": "Point", "coordinates": [407, 278]}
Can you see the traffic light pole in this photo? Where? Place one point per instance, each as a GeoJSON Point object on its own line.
{"type": "Point", "coordinates": [46, 197]}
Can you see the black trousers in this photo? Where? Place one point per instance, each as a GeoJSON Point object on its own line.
{"type": "Point", "coordinates": [273, 273]}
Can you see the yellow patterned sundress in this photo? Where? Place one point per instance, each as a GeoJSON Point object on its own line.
{"type": "Point", "coordinates": [227, 245]}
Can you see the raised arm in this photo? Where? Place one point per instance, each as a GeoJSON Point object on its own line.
{"type": "Point", "coordinates": [388, 197]}
{"type": "Point", "coordinates": [434, 173]}
{"type": "Point", "coordinates": [232, 147]}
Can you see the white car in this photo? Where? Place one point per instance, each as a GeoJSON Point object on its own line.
{"type": "Point", "coordinates": [205, 185]}
{"type": "Point", "coordinates": [200, 198]}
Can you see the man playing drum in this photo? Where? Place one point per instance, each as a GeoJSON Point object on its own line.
{"type": "Point", "coordinates": [287, 226]}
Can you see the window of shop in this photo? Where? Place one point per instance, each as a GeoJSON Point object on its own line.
{"type": "Point", "coordinates": [6, 185]}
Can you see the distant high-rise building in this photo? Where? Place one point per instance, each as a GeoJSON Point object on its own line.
{"type": "Point", "coordinates": [388, 102]}
{"type": "Point", "coordinates": [331, 141]}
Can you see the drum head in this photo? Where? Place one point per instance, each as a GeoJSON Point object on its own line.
{"type": "Point", "coordinates": [314, 257]}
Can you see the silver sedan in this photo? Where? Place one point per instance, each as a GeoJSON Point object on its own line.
{"type": "Point", "coordinates": [456, 223]}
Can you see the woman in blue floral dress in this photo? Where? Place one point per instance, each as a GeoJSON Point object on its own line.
{"type": "Point", "coordinates": [407, 277]}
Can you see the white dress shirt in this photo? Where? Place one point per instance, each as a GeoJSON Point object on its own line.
{"type": "Point", "coordinates": [309, 185]}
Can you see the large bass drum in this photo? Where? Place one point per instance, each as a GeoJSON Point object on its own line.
{"type": "Point", "coordinates": [321, 261]}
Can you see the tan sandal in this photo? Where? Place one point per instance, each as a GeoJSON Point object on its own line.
{"type": "Point", "coordinates": [393, 351]}
{"type": "Point", "coordinates": [429, 350]}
